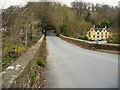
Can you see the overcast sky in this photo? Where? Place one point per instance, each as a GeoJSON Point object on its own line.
{"type": "Point", "coordinates": [7, 3]}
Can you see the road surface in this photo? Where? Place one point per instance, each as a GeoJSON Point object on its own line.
{"type": "Point", "coordinates": [69, 66]}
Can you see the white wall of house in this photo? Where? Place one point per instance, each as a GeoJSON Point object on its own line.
{"type": "Point", "coordinates": [107, 34]}
{"type": "Point", "coordinates": [95, 35]}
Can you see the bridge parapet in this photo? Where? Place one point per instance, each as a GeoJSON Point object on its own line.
{"type": "Point", "coordinates": [18, 75]}
{"type": "Point", "coordinates": [92, 45]}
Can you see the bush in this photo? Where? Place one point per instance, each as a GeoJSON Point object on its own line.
{"type": "Point", "coordinates": [54, 31]}
{"type": "Point", "coordinates": [63, 28]}
{"type": "Point", "coordinates": [90, 40]}
{"type": "Point", "coordinates": [7, 33]}
{"type": "Point", "coordinates": [115, 40]}
{"type": "Point", "coordinates": [57, 34]}
{"type": "Point", "coordinates": [50, 27]}
{"type": "Point", "coordinates": [84, 37]}
{"type": "Point", "coordinates": [41, 62]}
{"type": "Point", "coordinates": [30, 36]}
{"type": "Point", "coordinates": [67, 35]}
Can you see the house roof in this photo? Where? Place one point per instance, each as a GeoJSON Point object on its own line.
{"type": "Point", "coordinates": [100, 29]}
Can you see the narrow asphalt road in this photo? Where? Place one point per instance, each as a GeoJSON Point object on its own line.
{"type": "Point", "coordinates": [69, 66]}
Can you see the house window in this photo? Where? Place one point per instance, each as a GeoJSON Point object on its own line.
{"type": "Point", "coordinates": [101, 32]}
{"type": "Point", "coordinates": [89, 35]}
{"type": "Point", "coordinates": [97, 32]}
{"type": "Point", "coordinates": [97, 36]}
{"type": "Point", "coordinates": [101, 35]}
{"type": "Point", "coordinates": [106, 34]}
{"type": "Point", "coordinates": [94, 36]}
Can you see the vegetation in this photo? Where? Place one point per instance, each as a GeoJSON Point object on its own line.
{"type": "Point", "coordinates": [20, 33]}
{"type": "Point", "coordinates": [33, 79]}
{"type": "Point", "coordinates": [76, 20]}
{"type": "Point", "coordinates": [63, 28]}
{"type": "Point", "coordinates": [104, 23]}
{"type": "Point", "coordinates": [99, 15]}
{"type": "Point", "coordinates": [41, 62]}
{"type": "Point", "coordinates": [84, 37]}
{"type": "Point", "coordinates": [115, 40]}
{"type": "Point", "coordinates": [39, 68]}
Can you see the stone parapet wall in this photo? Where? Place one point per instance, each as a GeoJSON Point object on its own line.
{"type": "Point", "coordinates": [91, 45]}
{"type": "Point", "coordinates": [18, 75]}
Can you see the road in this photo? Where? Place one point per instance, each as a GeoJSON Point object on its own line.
{"type": "Point", "coordinates": [69, 66]}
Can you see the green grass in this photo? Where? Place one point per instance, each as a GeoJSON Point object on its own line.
{"type": "Point", "coordinates": [33, 78]}
{"type": "Point", "coordinates": [41, 62]}
{"type": "Point", "coordinates": [20, 49]}
{"type": "Point", "coordinates": [11, 53]}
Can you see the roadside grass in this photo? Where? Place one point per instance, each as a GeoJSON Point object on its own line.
{"type": "Point", "coordinates": [33, 79]}
{"type": "Point", "coordinates": [19, 49]}
{"type": "Point", "coordinates": [11, 53]}
{"type": "Point", "coordinates": [41, 62]}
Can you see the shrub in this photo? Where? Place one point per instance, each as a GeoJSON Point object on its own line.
{"type": "Point", "coordinates": [84, 37]}
{"type": "Point", "coordinates": [90, 40]}
{"type": "Point", "coordinates": [33, 79]}
{"type": "Point", "coordinates": [54, 31]}
{"type": "Point", "coordinates": [30, 36]}
{"type": "Point", "coordinates": [115, 40]}
{"type": "Point", "coordinates": [67, 35]}
{"type": "Point", "coordinates": [41, 62]}
{"type": "Point", "coordinates": [63, 28]}
{"type": "Point", "coordinates": [57, 34]}
{"type": "Point", "coordinates": [7, 33]}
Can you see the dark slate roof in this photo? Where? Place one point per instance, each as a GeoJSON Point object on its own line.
{"type": "Point", "coordinates": [100, 29]}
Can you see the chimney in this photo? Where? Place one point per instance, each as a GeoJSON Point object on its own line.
{"type": "Point", "coordinates": [93, 26]}
{"type": "Point", "coordinates": [105, 27]}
